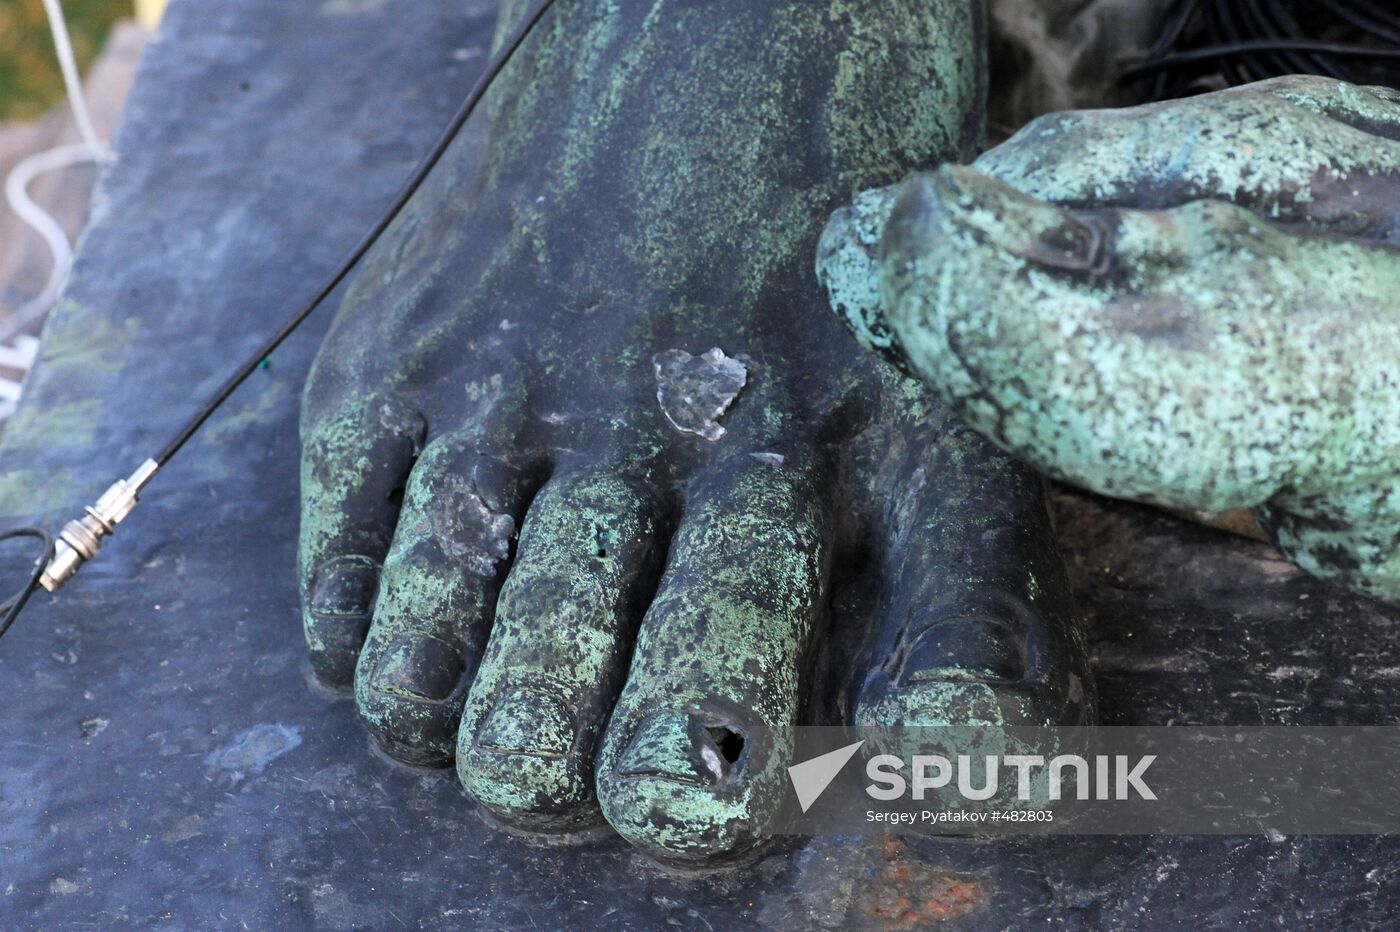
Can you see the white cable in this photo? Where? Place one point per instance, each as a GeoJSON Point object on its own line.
{"type": "Point", "coordinates": [17, 194]}
{"type": "Point", "coordinates": [69, 66]}
{"type": "Point", "coordinates": [17, 182]}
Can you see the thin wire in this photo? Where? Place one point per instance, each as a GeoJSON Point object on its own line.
{"type": "Point", "coordinates": [1268, 18]}
{"type": "Point", "coordinates": [1388, 17]}
{"type": "Point", "coordinates": [1176, 24]}
{"type": "Point", "coordinates": [1202, 44]}
{"type": "Point", "coordinates": [1359, 20]}
{"type": "Point", "coordinates": [1257, 45]}
{"type": "Point", "coordinates": [17, 181]}
{"type": "Point", "coordinates": [1246, 65]}
{"type": "Point", "coordinates": [415, 181]}
{"type": "Point", "coordinates": [10, 610]}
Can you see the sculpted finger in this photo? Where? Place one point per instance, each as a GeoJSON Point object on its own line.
{"type": "Point", "coordinates": [1142, 353]}
{"type": "Point", "coordinates": [1295, 149]}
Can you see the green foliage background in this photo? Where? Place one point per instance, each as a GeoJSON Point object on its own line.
{"type": "Point", "coordinates": [29, 78]}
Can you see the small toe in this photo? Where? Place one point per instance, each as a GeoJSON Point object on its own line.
{"type": "Point", "coordinates": [963, 647]}
{"type": "Point", "coordinates": [439, 588]}
{"type": "Point", "coordinates": [354, 466]}
{"type": "Point", "coordinates": [976, 625]}
{"type": "Point", "coordinates": [588, 559]}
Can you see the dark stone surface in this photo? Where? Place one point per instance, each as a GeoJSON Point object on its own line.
{"type": "Point", "coordinates": [166, 762]}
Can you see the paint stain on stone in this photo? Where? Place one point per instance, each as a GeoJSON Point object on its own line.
{"type": "Point", "coordinates": [351, 7]}
{"type": "Point", "coordinates": [255, 748]}
{"type": "Point", "coordinates": [92, 727]}
{"type": "Point", "coordinates": [909, 894]}
{"type": "Point", "coordinates": [183, 830]}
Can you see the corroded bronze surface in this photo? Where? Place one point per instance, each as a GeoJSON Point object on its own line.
{"type": "Point", "coordinates": [1191, 303]}
{"type": "Point", "coordinates": [598, 325]}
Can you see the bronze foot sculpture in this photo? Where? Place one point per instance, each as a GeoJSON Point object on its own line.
{"type": "Point", "coordinates": [589, 474]}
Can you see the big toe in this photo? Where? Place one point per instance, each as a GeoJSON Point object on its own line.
{"type": "Point", "coordinates": [976, 625]}
{"type": "Point", "coordinates": [691, 785]}
{"type": "Point", "coordinates": [692, 764]}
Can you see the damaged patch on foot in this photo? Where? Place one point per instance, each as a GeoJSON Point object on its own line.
{"type": "Point", "coordinates": [403, 421]}
{"type": "Point", "coordinates": [695, 391]}
{"type": "Point", "coordinates": [467, 529]}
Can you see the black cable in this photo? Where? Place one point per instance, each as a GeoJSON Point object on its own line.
{"type": "Point", "coordinates": [1389, 18]}
{"type": "Point", "coordinates": [10, 610]}
{"type": "Point", "coordinates": [1176, 20]}
{"type": "Point", "coordinates": [1205, 44]}
{"type": "Point", "coordinates": [1255, 45]}
{"type": "Point", "coordinates": [1382, 29]}
{"type": "Point", "coordinates": [1268, 17]}
{"type": "Point", "coordinates": [1246, 64]}
{"type": "Point", "coordinates": [415, 181]}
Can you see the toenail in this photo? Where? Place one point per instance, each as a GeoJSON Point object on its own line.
{"type": "Point", "coordinates": [345, 586]}
{"type": "Point", "coordinates": [425, 668]}
{"type": "Point", "coordinates": [529, 722]}
{"type": "Point", "coordinates": [683, 748]}
{"type": "Point", "coordinates": [962, 648]}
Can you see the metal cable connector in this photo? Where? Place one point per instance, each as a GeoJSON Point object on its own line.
{"type": "Point", "coordinates": [80, 539]}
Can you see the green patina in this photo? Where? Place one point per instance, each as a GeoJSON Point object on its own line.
{"type": "Point", "coordinates": [542, 693]}
{"type": "Point", "coordinates": [262, 408]}
{"type": "Point", "coordinates": [60, 426]}
{"type": "Point", "coordinates": [652, 176]}
{"type": "Point", "coordinates": [1190, 303]}
{"type": "Point", "coordinates": [735, 609]}
{"type": "Point", "coordinates": [94, 337]}
{"type": "Point", "coordinates": [29, 492]}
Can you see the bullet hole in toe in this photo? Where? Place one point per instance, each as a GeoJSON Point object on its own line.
{"type": "Point", "coordinates": [396, 497]}
{"type": "Point", "coordinates": [729, 742]}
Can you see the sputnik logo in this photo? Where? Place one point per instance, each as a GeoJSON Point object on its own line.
{"type": "Point", "coordinates": [811, 777]}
